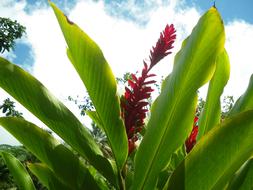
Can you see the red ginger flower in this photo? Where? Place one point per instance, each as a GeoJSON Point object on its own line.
{"type": "Point", "coordinates": [191, 141]}
{"type": "Point", "coordinates": [134, 102]}
{"type": "Point", "coordinates": [163, 45]}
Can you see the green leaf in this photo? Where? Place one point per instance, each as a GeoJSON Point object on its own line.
{"type": "Point", "coordinates": [46, 176]}
{"type": "Point", "coordinates": [248, 181]}
{"type": "Point", "coordinates": [39, 101]}
{"type": "Point", "coordinates": [217, 156]}
{"type": "Point", "coordinates": [176, 158]}
{"type": "Point", "coordinates": [67, 166]}
{"type": "Point", "coordinates": [100, 180]}
{"type": "Point", "coordinates": [243, 178]}
{"type": "Point", "coordinates": [93, 69]}
{"type": "Point", "coordinates": [173, 112]}
{"type": "Point", "coordinates": [245, 102]}
{"type": "Point", "coordinates": [163, 177]}
{"type": "Point", "coordinates": [21, 176]}
{"type": "Point", "coordinates": [94, 116]}
{"type": "Point", "coordinates": [211, 113]}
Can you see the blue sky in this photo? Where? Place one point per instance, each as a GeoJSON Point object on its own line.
{"type": "Point", "coordinates": [229, 9]}
{"type": "Point", "coordinates": [125, 31]}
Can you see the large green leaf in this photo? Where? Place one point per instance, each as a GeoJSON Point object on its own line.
{"type": "Point", "coordinates": [217, 156]}
{"type": "Point", "coordinates": [47, 177]}
{"type": "Point", "coordinates": [245, 102]}
{"type": "Point", "coordinates": [38, 100]}
{"type": "Point", "coordinates": [211, 113]}
{"type": "Point", "coordinates": [65, 164]}
{"type": "Point", "coordinates": [89, 62]}
{"type": "Point", "coordinates": [243, 178]}
{"type": "Point", "coordinates": [18, 171]}
{"type": "Point", "coordinates": [173, 112]}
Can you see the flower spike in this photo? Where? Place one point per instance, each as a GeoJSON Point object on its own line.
{"type": "Point", "coordinates": [163, 45]}
{"type": "Point", "coordinates": [191, 140]}
{"type": "Point", "coordinates": [134, 102]}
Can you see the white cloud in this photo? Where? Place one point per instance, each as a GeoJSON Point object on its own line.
{"type": "Point", "coordinates": [124, 43]}
{"type": "Point", "coordinates": [239, 46]}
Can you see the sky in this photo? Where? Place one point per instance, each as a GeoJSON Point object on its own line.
{"type": "Point", "coordinates": [125, 31]}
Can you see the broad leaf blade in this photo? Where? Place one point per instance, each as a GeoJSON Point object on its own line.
{"type": "Point", "coordinates": [39, 101]}
{"type": "Point", "coordinates": [67, 166]}
{"type": "Point", "coordinates": [211, 113]}
{"type": "Point", "coordinates": [89, 62]}
{"type": "Point", "coordinates": [18, 171]}
{"type": "Point", "coordinates": [243, 178]}
{"type": "Point", "coordinates": [217, 155]}
{"type": "Point", "coordinates": [173, 111]}
{"type": "Point", "coordinates": [248, 181]}
{"type": "Point", "coordinates": [46, 176]}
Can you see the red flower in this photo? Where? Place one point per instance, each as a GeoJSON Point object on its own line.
{"type": "Point", "coordinates": [134, 102]}
{"type": "Point", "coordinates": [191, 140]}
{"type": "Point", "coordinates": [163, 45]}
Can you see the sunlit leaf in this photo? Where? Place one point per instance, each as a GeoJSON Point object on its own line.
{"type": "Point", "coordinates": [93, 69]}
{"type": "Point", "coordinates": [39, 101]}
{"type": "Point", "coordinates": [211, 114]}
{"type": "Point", "coordinates": [173, 111]}
{"type": "Point", "coordinates": [245, 102]}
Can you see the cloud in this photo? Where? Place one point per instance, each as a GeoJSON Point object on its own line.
{"type": "Point", "coordinates": [125, 42]}
{"type": "Point", "coordinates": [239, 47]}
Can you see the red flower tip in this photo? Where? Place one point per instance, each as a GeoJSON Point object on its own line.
{"type": "Point", "coordinates": [163, 45]}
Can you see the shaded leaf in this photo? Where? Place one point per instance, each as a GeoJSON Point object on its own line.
{"type": "Point", "coordinates": [243, 178]}
{"type": "Point", "coordinates": [20, 175]}
{"type": "Point", "coordinates": [67, 166]}
{"type": "Point", "coordinates": [47, 177]}
{"type": "Point", "coordinates": [217, 156]}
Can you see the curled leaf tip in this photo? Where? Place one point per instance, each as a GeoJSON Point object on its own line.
{"type": "Point", "coordinates": [214, 6]}
{"type": "Point", "coordinates": [69, 21]}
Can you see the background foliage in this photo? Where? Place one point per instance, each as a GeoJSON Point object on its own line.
{"type": "Point", "coordinates": [9, 32]}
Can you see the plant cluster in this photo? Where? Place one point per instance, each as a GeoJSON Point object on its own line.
{"type": "Point", "coordinates": [182, 147]}
{"type": "Point", "coordinates": [134, 102]}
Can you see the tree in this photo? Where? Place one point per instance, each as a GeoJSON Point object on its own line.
{"type": "Point", "coordinates": [9, 32]}
{"type": "Point", "coordinates": [8, 108]}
